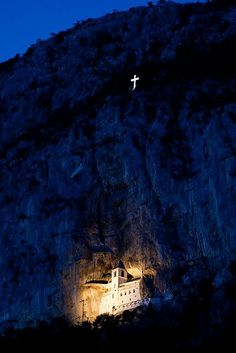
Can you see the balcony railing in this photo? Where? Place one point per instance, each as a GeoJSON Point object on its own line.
{"type": "Point", "coordinates": [131, 305]}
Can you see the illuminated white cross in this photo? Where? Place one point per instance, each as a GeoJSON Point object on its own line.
{"type": "Point", "coordinates": [134, 81]}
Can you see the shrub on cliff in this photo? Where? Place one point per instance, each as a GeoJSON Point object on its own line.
{"type": "Point", "coordinates": [8, 65]}
{"type": "Point", "coordinates": [222, 3]}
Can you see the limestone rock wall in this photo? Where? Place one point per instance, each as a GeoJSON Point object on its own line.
{"type": "Point", "coordinates": [86, 163]}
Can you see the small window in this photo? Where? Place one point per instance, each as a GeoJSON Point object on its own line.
{"type": "Point", "coordinates": [133, 290]}
{"type": "Point", "coordinates": [115, 274]}
{"type": "Point", "coordinates": [122, 273]}
{"type": "Point", "coordinates": [125, 293]}
{"type": "Point", "coordinates": [121, 294]}
{"type": "Point", "coordinates": [129, 291]}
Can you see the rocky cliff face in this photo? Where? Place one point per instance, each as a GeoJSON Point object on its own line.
{"type": "Point", "coordinates": [92, 171]}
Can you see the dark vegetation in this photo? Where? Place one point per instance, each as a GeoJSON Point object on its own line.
{"type": "Point", "coordinates": [204, 322]}
{"type": "Point", "coordinates": [7, 66]}
{"type": "Point", "coordinates": [194, 330]}
{"type": "Point", "coordinates": [222, 3]}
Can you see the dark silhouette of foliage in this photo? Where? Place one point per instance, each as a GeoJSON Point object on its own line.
{"type": "Point", "coordinates": [222, 3]}
{"type": "Point", "coordinates": [139, 330]}
{"type": "Point", "coordinates": [8, 65]}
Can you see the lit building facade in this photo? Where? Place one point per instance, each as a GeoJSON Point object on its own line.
{"type": "Point", "coordinates": [121, 294]}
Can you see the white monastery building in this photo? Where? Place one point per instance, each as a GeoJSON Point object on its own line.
{"type": "Point", "coordinates": [121, 294]}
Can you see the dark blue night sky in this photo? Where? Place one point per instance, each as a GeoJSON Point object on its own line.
{"type": "Point", "coordinates": [23, 22]}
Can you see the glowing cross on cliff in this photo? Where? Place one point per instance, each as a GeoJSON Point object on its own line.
{"type": "Point", "coordinates": [134, 81]}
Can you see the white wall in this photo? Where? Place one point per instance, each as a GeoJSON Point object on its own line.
{"type": "Point", "coordinates": [126, 293]}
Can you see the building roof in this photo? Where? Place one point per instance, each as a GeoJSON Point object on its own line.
{"type": "Point", "coordinates": [119, 264]}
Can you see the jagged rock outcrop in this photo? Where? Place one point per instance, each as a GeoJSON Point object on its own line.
{"type": "Point", "coordinates": [92, 171]}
